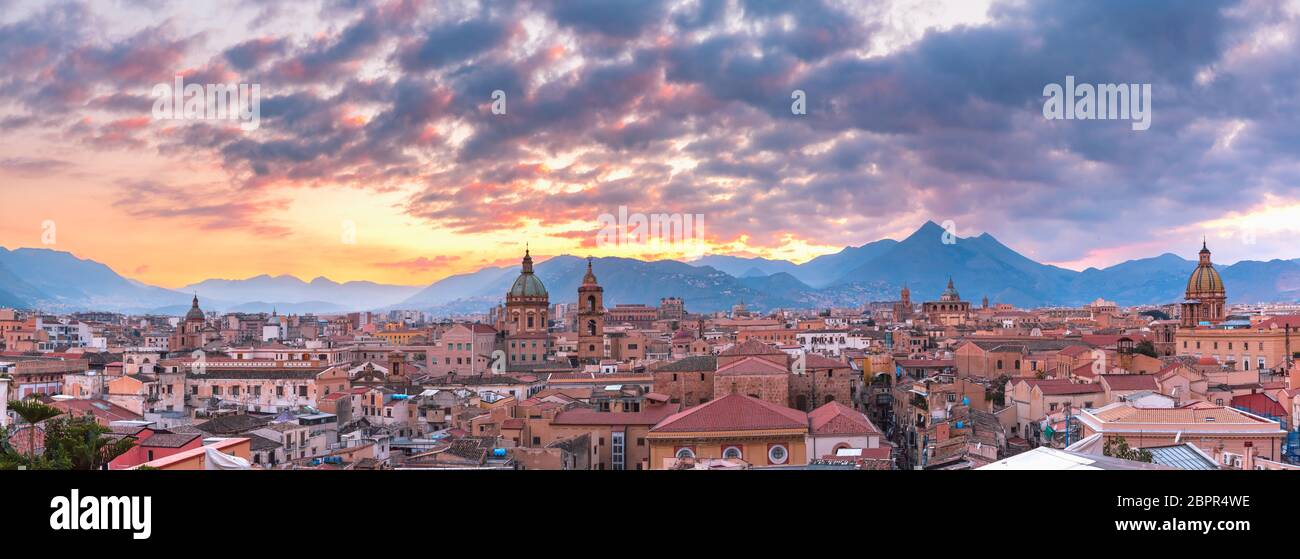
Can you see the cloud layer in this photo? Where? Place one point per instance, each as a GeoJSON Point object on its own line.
{"type": "Point", "coordinates": [684, 106]}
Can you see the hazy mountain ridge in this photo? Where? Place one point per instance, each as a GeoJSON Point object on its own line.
{"type": "Point", "coordinates": [290, 290]}
{"type": "Point", "coordinates": [980, 266]}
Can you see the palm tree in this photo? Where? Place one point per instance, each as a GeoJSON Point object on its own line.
{"type": "Point", "coordinates": [33, 411]}
{"type": "Point", "coordinates": [80, 441]}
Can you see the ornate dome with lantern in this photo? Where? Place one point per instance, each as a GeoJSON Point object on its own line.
{"type": "Point", "coordinates": [527, 285]}
{"type": "Point", "coordinates": [1205, 301]}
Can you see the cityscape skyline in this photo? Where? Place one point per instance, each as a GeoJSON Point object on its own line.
{"type": "Point", "coordinates": [378, 123]}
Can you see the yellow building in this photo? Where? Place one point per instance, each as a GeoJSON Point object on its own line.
{"type": "Point", "coordinates": [400, 337]}
{"type": "Point", "coordinates": [736, 427]}
{"type": "Point", "coordinates": [1263, 346]}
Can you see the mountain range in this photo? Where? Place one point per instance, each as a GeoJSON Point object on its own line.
{"type": "Point", "coordinates": [980, 266]}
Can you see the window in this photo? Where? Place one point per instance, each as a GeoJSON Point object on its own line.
{"type": "Point", "coordinates": [616, 451]}
{"type": "Point", "coordinates": [732, 452]}
{"type": "Point", "coordinates": [777, 454]}
{"type": "Point", "coordinates": [685, 453]}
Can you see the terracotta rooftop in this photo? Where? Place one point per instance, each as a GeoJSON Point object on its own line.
{"type": "Point", "coordinates": [819, 361]}
{"type": "Point", "coordinates": [835, 418]}
{"type": "Point", "coordinates": [752, 366]}
{"type": "Point", "coordinates": [1121, 414]}
{"type": "Point", "coordinates": [751, 347]}
{"type": "Point", "coordinates": [169, 440]}
{"type": "Point", "coordinates": [1062, 387]}
{"type": "Point", "coordinates": [734, 412]}
{"type": "Point", "coordinates": [649, 415]}
{"type": "Point", "coordinates": [1284, 321]}
{"type": "Point", "coordinates": [1131, 382]}
{"type": "Point", "coordinates": [102, 410]}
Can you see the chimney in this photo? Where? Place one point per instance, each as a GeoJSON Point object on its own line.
{"type": "Point", "coordinates": [1248, 461]}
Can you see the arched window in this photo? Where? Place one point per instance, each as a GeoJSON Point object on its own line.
{"type": "Point", "coordinates": [591, 327]}
{"type": "Point", "coordinates": [732, 452]}
{"type": "Point", "coordinates": [591, 303]}
{"type": "Point", "coordinates": [684, 453]}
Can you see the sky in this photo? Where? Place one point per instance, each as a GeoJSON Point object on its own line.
{"type": "Point", "coordinates": [380, 154]}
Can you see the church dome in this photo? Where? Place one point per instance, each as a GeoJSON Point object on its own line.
{"type": "Point", "coordinates": [950, 294]}
{"type": "Point", "coordinates": [527, 284]}
{"type": "Point", "coordinates": [195, 312]}
{"type": "Point", "coordinates": [1205, 279]}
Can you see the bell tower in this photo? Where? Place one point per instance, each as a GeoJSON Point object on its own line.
{"type": "Point", "coordinates": [591, 319]}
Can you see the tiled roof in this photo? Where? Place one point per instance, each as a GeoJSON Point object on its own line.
{"type": "Point", "coordinates": [169, 440]}
{"type": "Point", "coordinates": [913, 363]}
{"type": "Point", "coordinates": [819, 361]}
{"type": "Point", "coordinates": [1131, 382]}
{"type": "Point", "coordinates": [649, 415]}
{"type": "Point", "coordinates": [231, 424]}
{"type": "Point", "coordinates": [99, 408]}
{"type": "Point", "coordinates": [1289, 320]}
{"type": "Point", "coordinates": [752, 366]}
{"type": "Point", "coordinates": [1217, 415]}
{"type": "Point", "coordinates": [1028, 345]}
{"type": "Point", "coordinates": [690, 364]}
{"type": "Point", "coordinates": [733, 412]}
{"type": "Point", "coordinates": [1062, 387]}
{"type": "Point", "coordinates": [751, 347]}
{"type": "Point", "coordinates": [835, 418]}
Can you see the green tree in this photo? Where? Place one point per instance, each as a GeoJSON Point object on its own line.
{"type": "Point", "coordinates": [33, 411]}
{"type": "Point", "coordinates": [1145, 347]}
{"type": "Point", "coordinates": [1155, 314]}
{"type": "Point", "coordinates": [78, 443]}
{"type": "Point", "coordinates": [1119, 448]}
{"type": "Point", "coordinates": [997, 393]}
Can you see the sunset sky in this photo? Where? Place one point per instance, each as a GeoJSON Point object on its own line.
{"type": "Point", "coordinates": [378, 115]}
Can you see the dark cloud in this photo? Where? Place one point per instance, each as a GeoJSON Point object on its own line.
{"type": "Point", "coordinates": [664, 106]}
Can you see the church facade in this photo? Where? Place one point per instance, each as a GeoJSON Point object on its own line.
{"type": "Point", "coordinates": [524, 321]}
{"type": "Point", "coordinates": [1205, 301]}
